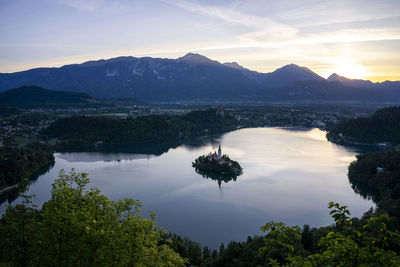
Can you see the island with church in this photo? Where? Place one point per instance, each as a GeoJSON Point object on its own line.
{"type": "Point", "coordinates": [217, 164]}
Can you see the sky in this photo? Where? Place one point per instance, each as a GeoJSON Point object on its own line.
{"type": "Point", "coordinates": [354, 38]}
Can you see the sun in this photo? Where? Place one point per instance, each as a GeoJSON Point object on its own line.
{"type": "Point", "coordinates": [349, 68]}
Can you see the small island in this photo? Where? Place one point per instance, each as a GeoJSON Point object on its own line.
{"type": "Point", "coordinates": [217, 164]}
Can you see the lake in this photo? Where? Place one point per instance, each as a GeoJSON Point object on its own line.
{"type": "Point", "coordinates": [289, 175]}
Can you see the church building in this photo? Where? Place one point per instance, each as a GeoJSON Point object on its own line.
{"type": "Point", "coordinates": [218, 157]}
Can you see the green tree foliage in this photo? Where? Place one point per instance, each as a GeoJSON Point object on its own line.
{"type": "Point", "coordinates": [16, 231]}
{"type": "Point", "coordinates": [235, 254]}
{"type": "Point", "coordinates": [374, 242]}
{"type": "Point", "coordinates": [385, 185]}
{"type": "Point", "coordinates": [18, 163]}
{"type": "Point", "coordinates": [281, 241]}
{"type": "Point", "coordinates": [82, 227]}
{"type": "Point", "coordinates": [383, 126]}
{"type": "Point", "coordinates": [85, 132]}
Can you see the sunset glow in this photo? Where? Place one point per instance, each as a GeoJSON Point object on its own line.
{"type": "Point", "coordinates": [356, 38]}
{"type": "Point", "coordinates": [348, 68]}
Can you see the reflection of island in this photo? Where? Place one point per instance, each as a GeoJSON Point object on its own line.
{"type": "Point", "coordinates": [217, 167]}
{"type": "Point", "coordinates": [217, 177]}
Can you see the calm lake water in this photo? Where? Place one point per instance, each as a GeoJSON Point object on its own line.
{"type": "Point", "coordinates": [289, 175]}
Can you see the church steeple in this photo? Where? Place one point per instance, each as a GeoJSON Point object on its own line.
{"type": "Point", "coordinates": [219, 152]}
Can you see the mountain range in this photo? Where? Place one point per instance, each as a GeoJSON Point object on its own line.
{"type": "Point", "coordinates": [194, 77]}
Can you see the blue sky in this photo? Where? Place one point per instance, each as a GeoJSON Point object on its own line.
{"type": "Point", "coordinates": [355, 38]}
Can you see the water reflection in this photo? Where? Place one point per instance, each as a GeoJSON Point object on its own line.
{"type": "Point", "coordinates": [101, 156]}
{"type": "Point", "coordinates": [290, 176]}
{"type": "Point", "coordinates": [9, 196]}
{"type": "Point", "coordinates": [217, 176]}
{"type": "Point", "coordinates": [196, 143]}
{"type": "Point", "coordinates": [364, 190]}
{"type": "Point", "coordinates": [13, 194]}
{"type": "Point", "coordinates": [118, 153]}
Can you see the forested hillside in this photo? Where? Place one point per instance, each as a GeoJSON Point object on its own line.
{"type": "Point", "coordinates": [18, 163]}
{"type": "Point", "coordinates": [384, 182]}
{"type": "Point", "coordinates": [34, 97]}
{"type": "Point", "coordinates": [85, 131]}
{"type": "Point", "coordinates": [383, 126]}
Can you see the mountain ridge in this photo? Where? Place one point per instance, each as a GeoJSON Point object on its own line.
{"type": "Point", "coordinates": [194, 77]}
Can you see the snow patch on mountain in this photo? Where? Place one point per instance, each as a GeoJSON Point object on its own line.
{"type": "Point", "coordinates": [158, 75]}
{"type": "Point", "coordinates": [135, 71]}
{"type": "Point", "coordinates": [112, 73]}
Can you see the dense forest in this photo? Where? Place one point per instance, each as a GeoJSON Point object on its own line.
{"type": "Point", "coordinates": [380, 172]}
{"type": "Point", "coordinates": [80, 226]}
{"type": "Point", "coordinates": [18, 163]}
{"type": "Point", "coordinates": [383, 126]}
{"type": "Point", "coordinates": [88, 132]}
{"type": "Point", "coordinates": [372, 240]}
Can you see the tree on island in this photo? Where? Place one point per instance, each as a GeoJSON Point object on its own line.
{"type": "Point", "coordinates": [217, 167]}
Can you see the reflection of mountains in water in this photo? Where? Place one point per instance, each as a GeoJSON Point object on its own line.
{"type": "Point", "coordinates": [364, 190]}
{"type": "Point", "coordinates": [12, 195]}
{"type": "Point", "coordinates": [217, 176]}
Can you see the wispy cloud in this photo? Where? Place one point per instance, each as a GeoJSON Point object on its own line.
{"type": "Point", "coordinates": [83, 4]}
{"type": "Point", "coordinates": [231, 15]}
{"type": "Point", "coordinates": [351, 36]}
{"type": "Point", "coordinates": [267, 32]}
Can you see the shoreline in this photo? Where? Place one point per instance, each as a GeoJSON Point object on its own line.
{"type": "Point", "coordinates": [8, 189]}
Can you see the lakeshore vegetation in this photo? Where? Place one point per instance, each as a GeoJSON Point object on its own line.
{"type": "Point", "coordinates": [382, 126]}
{"type": "Point", "coordinates": [90, 132]}
{"type": "Point", "coordinates": [80, 132]}
{"type": "Point", "coordinates": [379, 173]}
{"type": "Point", "coordinates": [19, 163]}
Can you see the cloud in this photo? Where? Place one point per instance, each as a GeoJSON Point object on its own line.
{"type": "Point", "coordinates": [351, 36]}
{"type": "Point", "coordinates": [83, 4]}
{"type": "Point", "coordinates": [338, 11]}
{"type": "Point", "coordinates": [267, 32]}
{"type": "Point", "coordinates": [257, 24]}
